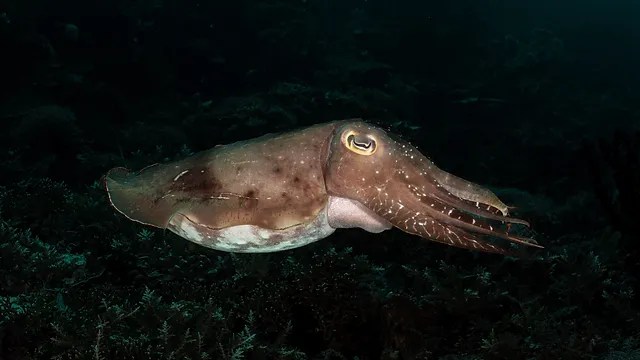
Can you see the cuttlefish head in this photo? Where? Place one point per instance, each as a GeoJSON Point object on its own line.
{"type": "Point", "coordinates": [395, 181]}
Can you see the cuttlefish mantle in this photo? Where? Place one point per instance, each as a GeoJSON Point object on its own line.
{"type": "Point", "coordinates": [283, 191]}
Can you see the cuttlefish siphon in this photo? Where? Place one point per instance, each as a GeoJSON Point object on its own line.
{"type": "Point", "coordinates": [283, 191]}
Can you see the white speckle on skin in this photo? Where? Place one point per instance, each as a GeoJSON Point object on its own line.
{"type": "Point", "coordinates": [180, 175]}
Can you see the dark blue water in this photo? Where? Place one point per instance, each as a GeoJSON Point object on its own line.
{"type": "Point", "coordinates": [535, 101]}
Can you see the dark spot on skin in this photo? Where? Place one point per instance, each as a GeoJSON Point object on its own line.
{"type": "Point", "coordinates": [249, 199]}
{"type": "Point", "coordinates": [296, 179]}
{"type": "Point", "coordinates": [238, 169]}
{"type": "Point", "coordinates": [277, 170]}
{"type": "Point", "coordinates": [196, 183]}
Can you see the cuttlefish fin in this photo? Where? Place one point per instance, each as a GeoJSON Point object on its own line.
{"type": "Point", "coordinates": [130, 196]}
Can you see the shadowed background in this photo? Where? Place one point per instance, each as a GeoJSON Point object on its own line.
{"type": "Point", "coordinates": [536, 100]}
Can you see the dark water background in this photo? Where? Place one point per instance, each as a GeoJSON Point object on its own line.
{"type": "Point", "coordinates": [538, 100]}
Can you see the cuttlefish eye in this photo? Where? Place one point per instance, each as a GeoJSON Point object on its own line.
{"type": "Point", "coordinates": [359, 143]}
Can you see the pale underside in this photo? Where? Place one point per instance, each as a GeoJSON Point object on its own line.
{"type": "Point", "coordinates": [284, 191]}
{"type": "Point", "coordinates": [338, 213]}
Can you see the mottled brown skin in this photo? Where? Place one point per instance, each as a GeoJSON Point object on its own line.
{"type": "Point", "coordinates": [400, 184]}
{"type": "Point", "coordinates": [274, 181]}
{"type": "Point", "coordinates": [279, 181]}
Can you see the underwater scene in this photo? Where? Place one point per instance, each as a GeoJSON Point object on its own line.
{"type": "Point", "coordinates": [319, 179]}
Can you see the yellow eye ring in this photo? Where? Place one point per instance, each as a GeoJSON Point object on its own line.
{"type": "Point", "coordinates": [359, 144]}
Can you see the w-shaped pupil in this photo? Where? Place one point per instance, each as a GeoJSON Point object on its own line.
{"type": "Point", "coordinates": [361, 143]}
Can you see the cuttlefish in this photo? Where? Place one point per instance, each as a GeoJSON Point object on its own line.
{"type": "Point", "coordinates": [283, 191]}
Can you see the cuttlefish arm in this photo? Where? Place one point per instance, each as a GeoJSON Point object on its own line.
{"type": "Point", "coordinates": [283, 191]}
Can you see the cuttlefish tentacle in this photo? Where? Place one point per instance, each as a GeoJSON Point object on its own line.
{"type": "Point", "coordinates": [283, 191]}
{"type": "Point", "coordinates": [448, 214]}
{"type": "Point", "coordinates": [480, 207]}
{"type": "Point", "coordinates": [463, 194]}
{"type": "Point", "coordinates": [469, 191]}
